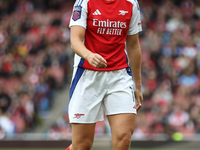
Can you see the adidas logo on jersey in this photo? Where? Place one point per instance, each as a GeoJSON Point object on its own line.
{"type": "Point", "coordinates": [97, 12]}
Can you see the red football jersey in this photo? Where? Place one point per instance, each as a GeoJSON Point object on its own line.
{"type": "Point", "coordinates": [107, 25]}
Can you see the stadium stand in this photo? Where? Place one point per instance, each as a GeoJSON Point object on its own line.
{"type": "Point", "coordinates": [34, 54]}
{"type": "Point", "coordinates": [36, 59]}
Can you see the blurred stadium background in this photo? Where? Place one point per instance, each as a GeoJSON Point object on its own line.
{"type": "Point", "coordinates": [36, 65]}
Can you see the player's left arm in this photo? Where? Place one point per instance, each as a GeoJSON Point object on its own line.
{"type": "Point", "coordinates": [134, 56]}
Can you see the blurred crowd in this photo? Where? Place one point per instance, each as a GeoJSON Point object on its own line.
{"type": "Point", "coordinates": [170, 45]}
{"type": "Point", "coordinates": [35, 59]}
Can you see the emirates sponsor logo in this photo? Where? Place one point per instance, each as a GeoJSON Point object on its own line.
{"type": "Point", "coordinates": [109, 27]}
{"type": "Point", "coordinates": [108, 23]}
{"type": "Point", "coordinates": [78, 116]}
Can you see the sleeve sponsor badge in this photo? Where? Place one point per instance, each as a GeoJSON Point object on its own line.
{"type": "Point", "coordinates": [77, 13]}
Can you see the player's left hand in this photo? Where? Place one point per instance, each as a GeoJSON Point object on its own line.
{"type": "Point", "coordinates": [138, 99]}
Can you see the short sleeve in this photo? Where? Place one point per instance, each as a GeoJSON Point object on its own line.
{"type": "Point", "coordinates": [79, 14]}
{"type": "Point", "coordinates": [135, 25]}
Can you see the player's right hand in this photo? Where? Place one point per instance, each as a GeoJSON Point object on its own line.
{"type": "Point", "coordinates": [97, 61]}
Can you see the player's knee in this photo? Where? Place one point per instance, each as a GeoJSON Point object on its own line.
{"type": "Point", "coordinates": [83, 145]}
{"type": "Point", "coordinates": [124, 139]}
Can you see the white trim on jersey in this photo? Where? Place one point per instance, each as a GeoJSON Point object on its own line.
{"type": "Point", "coordinates": [135, 23]}
{"type": "Point", "coordinates": [79, 2]}
{"type": "Point", "coordinates": [83, 18]}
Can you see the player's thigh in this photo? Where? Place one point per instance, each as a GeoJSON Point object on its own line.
{"type": "Point", "coordinates": [122, 125]}
{"type": "Point", "coordinates": [83, 133]}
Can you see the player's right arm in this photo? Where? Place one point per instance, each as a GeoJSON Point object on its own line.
{"type": "Point", "coordinates": [76, 39]}
{"type": "Point", "coordinates": [78, 25]}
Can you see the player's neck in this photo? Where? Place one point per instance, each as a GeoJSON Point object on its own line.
{"type": "Point", "coordinates": [109, 1]}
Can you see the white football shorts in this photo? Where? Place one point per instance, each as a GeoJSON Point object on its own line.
{"type": "Point", "coordinates": [92, 92]}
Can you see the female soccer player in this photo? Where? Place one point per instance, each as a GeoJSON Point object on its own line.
{"type": "Point", "coordinates": [102, 79]}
